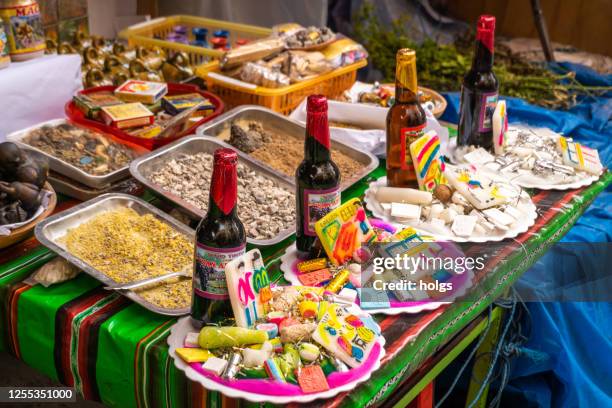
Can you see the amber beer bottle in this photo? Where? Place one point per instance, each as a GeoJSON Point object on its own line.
{"type": "Point", "coordinates": [406, 120]}
{"type": "Point", "coordinates": [220, 237]}
{"type": "Point", "coordinates": [479, 90]}
{"type": "Point", "coordinates": [317, 178]}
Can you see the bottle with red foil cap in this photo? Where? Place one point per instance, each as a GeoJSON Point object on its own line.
{"type": "Point", "coordinates": [479, 90]}
{"type": "Point", "coordinates": [317, 178]}
{"type": "Point", "coordinates": [220, 237]}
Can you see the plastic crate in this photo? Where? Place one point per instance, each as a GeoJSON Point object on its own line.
{"type": "Point", "coordinates": [282, 100]}
{"type": "Point", "coordinates": [75, 114]}
{"type": "Point", "coordinates": [153, 33]}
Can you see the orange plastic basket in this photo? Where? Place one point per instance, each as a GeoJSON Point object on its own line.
{"type": "Point", "coordinates": [153, 33]}
{"type": "Point", "coordinates": [282, 100]}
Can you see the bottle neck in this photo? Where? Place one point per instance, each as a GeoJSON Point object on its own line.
{"type": "Point", "coordinates": [406, 89]}
{"type": "Point", "coordinates": [223, 191]}
{"type": "Point", "coordinates": [483, 52]}
{"type": "Point", "coordinates": [317, 143]}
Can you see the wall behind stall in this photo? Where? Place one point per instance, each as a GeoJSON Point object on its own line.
{"type": "Point", "coordinates": [264, 13]}
{"type": "Point", "coordinates": [585, 24]}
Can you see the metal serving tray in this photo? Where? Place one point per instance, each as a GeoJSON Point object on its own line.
{"type": "Point", "coordinates": [68, 169]}
{"type": "Point", "coordinates": [282, 124]}
{"type": "Point", "coordinates": [144, 166]}
{"type": "Point", "coordinates": [49, 231]}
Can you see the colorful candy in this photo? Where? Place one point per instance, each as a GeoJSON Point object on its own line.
{"type": "Point", "coordinates": [256, 358]}
{"type": "Point", "coordinates": [276, 317]}
{"type": "Point", "coordinates": [311, 265]}
{"type": "Point", "coordinates": [193, 355]}
{"type": "Point", "coordinates": [308, 309]}
{"type": "Point", "coordinates": [273, 370]}
{"type": "Point", "coordinates": [270, 328]}
{"type": "Point", "coordinates": [338, 281]}
{"type": "Point", "coordinates": [309, 352]}
{"type": "Point", "coordinates": [215, 365]}
{"type": "Point", "coordinates": [212, 337]}
{"type": "Point", "coordinates": [312, 379]}
{"type": "Point", "coordinates": [191, 340]}
{"type": "Point", "coordinates": [314, 278]}
{"type": "Point", "coordinates": [232, 367]}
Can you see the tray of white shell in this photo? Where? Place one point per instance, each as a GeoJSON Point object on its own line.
{"type": "Point", "coordinates": [302, 348]}
{"type": "Point", "coordinates": [474, 206]}
{"type": "Point", "coordinates": [537, 158]}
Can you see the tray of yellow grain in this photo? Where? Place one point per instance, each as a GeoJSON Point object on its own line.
{"type": "Point", "coordinates": [117, 239]}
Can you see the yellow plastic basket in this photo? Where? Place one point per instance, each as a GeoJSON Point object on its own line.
{"type": "Point", "coordinates": [152, 33]}
{"type": "Point", "coordinates": [281, 100]}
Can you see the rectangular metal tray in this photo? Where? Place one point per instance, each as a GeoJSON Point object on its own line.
{"type": "Point", "coordinates": [279, 123]}
{"type": "Point", "coordinates": [49, 231]}
{"type": "Point", "coordinates": [144, 166]}
{"type": "Point", "coordinates": [68, 169]}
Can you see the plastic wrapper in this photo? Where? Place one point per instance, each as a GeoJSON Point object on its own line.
{"type": "Point", "coordinates": [261, 75]}
{"type": "Point", "coordinates": [344, 52]}
{"type": "Point", "coordinates": [305, 65]}
{"type": "Point", "coordinates": [55, 271]}
{"type": "Point", "coordinates": [252, 52]}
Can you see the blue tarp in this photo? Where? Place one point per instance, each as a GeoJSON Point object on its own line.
{"type": "Point", "coordinates": [569, 359]}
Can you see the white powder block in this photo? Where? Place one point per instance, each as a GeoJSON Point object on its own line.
{"type": "Point", "coordinates": [406, 211]}
{"type": "Point", "coordinates": [386, 206]}
{"type": "Point", "coordinates": [478, 156]}
{"type": "Point", "coordinates": [513, 212]}
{"type": "Point", "coordinates": [436, 210]}
{"type": "Point", "coordinates": [482, 221]}
{"type": "Point", "coordinates": [436, 224]}
{"type": "Point", "coordinates": [458, 198]}
{"type": "Point", "coordinates": [426, 211]}
{"type": "Point", "coordinates": [498, 217]}
{"type": "Point", "coordinates": [463, 225]}
{"type": "Point", "coordinates": [350, 295]}
{"type": "Point", "coordinates": [191, 340]}
{"type": "Point", "coordinates": [448, 215]}
{"type": "Point", "coordinates": [215, 365]}
{"type": "Point", "coordinates": [457, 208]}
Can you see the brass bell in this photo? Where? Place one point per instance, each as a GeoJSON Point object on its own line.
{"type": "Point", "coordinates": [81, 41]}
{"type": "Point", "coordinates": [95, 77]}
{"type": "Point", "coordinates": [93, 58]}
{"type": "Point", "coordinates": [66, 48]}
{"type": "Point", "coordinates": [51, 46]}
{"type": "Point", "coordinates": [153, 58]}
{"type": "Point", "coordinates": [177, 68]}
{"type": "Point", "coordinates": [116, 69]}
{"type": "Point", "coordinates": [97, 41]}
{"type": "Point", "coordinates": [139, 70]}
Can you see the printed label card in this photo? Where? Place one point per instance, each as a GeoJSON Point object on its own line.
{"type": "Point", "coordinates": [248, 286]}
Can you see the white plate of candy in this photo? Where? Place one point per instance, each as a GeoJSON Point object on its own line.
{"type": "Point", "coordinates": [536, 158]}
{"type": "Point", "coordinates": [471, 205]}
{"type": "Point", "coordinates": [298, 347]}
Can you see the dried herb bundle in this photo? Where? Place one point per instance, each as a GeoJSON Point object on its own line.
{"type": "Point", "coordinates": [442, 67]}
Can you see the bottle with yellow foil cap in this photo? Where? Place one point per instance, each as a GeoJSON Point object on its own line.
{"type": "Point", "coordinates": [23, 23]}
{"type": "Point", "coordinates": [406, 121]}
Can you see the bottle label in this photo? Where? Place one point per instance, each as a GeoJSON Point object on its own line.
{"type": "Point", "coordinates": [488, 102]}
{"type": "Point", "coordinates": [407, 136]}
{"type": "Point", "coordinates": [209, 275]}
{"type": "Point", "coordinates": [317, 203]}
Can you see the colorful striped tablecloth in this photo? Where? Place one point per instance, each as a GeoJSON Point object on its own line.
{"type": "Point", "coordinates": [114, 351]}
